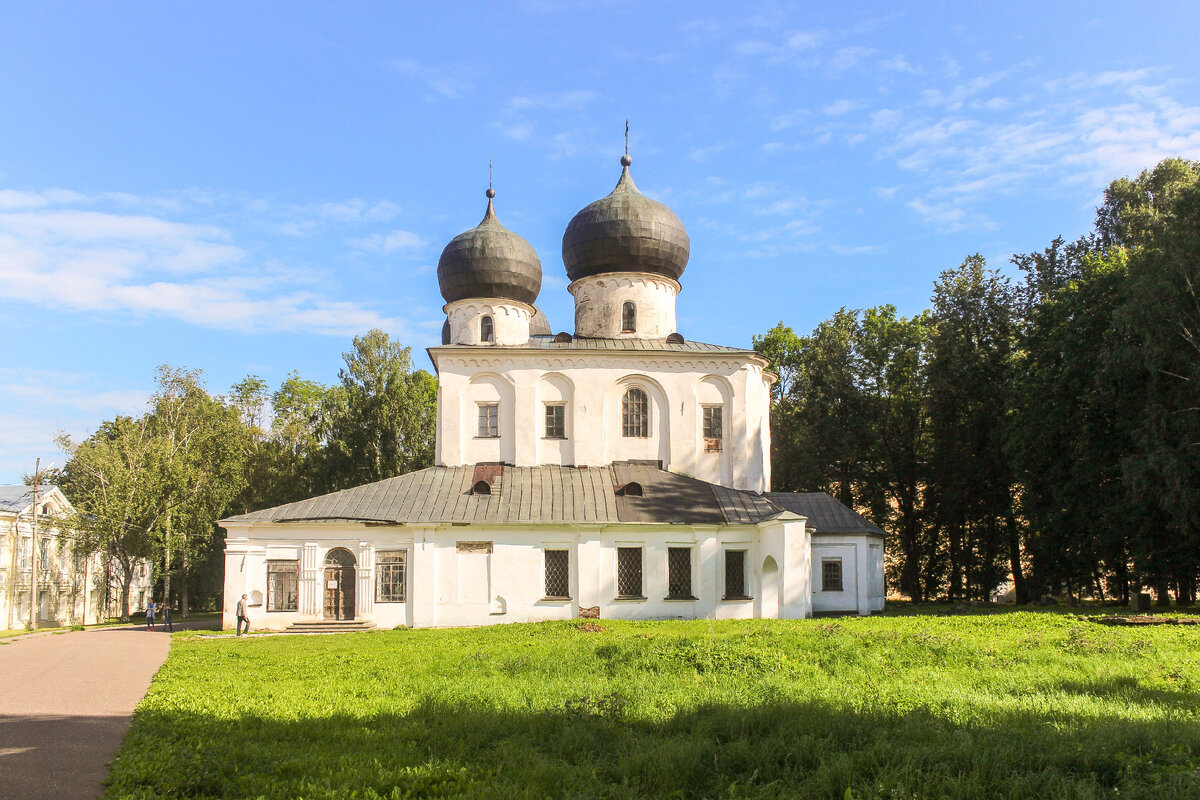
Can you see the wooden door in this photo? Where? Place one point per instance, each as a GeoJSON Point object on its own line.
{"type": "Point", "coordinates": [339, 585]}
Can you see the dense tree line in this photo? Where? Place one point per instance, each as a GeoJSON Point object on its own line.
{"type": "Point", "coordinates": [1046, 429]}
{"type": "Point", "coordinates": [151, 486]}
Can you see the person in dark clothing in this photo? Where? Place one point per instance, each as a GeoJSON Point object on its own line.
{"type": "Point", "coordinates": [241, 616]}
{"type": "Point", "coordinates": [166, 610]}
{"type": "Point", "coordinates": [150, 614]}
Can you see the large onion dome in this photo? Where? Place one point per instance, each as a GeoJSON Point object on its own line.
{"type": "Point", "coordinates": [625, 232]}
{"type": "Point", "coordinates": [489, 261]}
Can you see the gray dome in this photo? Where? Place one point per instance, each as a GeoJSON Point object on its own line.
{"type": "Point", "coordinates": [625, 232]}
{"type": "Point", "coordinates": [538, 324]}
{"type": "Point", "coordinates": [489, 261]}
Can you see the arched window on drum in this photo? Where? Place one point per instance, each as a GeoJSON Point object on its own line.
{"type": "Point", "coordinates": [486, 334]}
{"type": "Point", "coordinates": [635, 414]}
{"type": "Point", "coordinates": [628, 317]}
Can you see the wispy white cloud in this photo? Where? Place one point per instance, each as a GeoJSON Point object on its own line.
{"type": "Point", "coordinates": [113, 262]}
{"type": "Point", "coordinates": [390, 242]}
{"type": "Point", "coordinates": [527, 118]}
{"type": "Point", "coordinates": [443, 84]}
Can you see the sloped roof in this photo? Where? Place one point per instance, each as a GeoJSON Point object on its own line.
{"type": "Point", "coordinates": [537, 495]}
{"type": "Point", "coordinates": [544, 343]}
{"type": "Point", "coordinates": [825, 514]}
{"type": "Point", "coordinates": [15, 499]}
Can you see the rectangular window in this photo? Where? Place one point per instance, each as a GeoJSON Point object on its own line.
{"type": "Point", "coordinates": [679, 573]}
{"type": "Point", "coordinates": [390, 576]}
{"type": "Point", "coordinates": [26, 546]}
{"type": "Point", "coordinates": [831, 575]}
{"type": "Point", "coordinates": [558, 574]}
{"type": "Point", "coordinates": [629, 572]}
{"type": "Point", "coordinates": [283, 585]}
{"type": "Point", "coordinates": [44, 547]}
{"type": "Point", "coordinates": [735, 575]}
{"type": "Point", "coordinates": [556, 421]}
{"type": "Point", "coordinates": [712, 429]}
{"type": "Point", "coordinates": [489, 420]}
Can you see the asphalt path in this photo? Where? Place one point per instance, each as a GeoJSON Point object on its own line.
{"type": "Point", "coordinates": [65, 704]}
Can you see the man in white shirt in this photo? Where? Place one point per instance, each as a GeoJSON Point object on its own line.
{"type": "Point", "coordinates": [241, 616]}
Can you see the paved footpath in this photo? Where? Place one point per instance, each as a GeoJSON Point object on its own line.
{"type": "Point", "coordinates": [65, 703]}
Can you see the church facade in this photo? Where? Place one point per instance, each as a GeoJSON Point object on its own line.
{"type": "Point", "coordinates": [620, 471]}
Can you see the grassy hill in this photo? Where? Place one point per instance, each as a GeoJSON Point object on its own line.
{"type": "Point", "coordinates": [1015, 705]}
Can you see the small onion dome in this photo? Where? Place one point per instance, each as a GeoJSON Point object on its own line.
{"type": "Point", "coordinates": [489, 261]}
{"type": "Point", "coordinates": [538, 324]}
{"type": "Point", "coordinates": [625, 232]}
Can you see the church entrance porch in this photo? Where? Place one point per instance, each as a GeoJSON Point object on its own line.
{"type": "Point", "coordinates": [339, 584]}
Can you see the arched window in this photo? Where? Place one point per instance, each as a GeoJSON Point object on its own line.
{"type": "Point", "coordinates": [485, 330]}
{"type": "Point", "coordinates": [628, 317]}
{"type": "Point", "coordinates": [635, 414]}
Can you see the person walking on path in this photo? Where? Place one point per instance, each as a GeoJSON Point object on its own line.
{"type": "Point", "coordinates": [166, 609]}
{"type": "Point", "coordinates": [150, 614]}
{"type": "Point", "coordinates": [241, 616]}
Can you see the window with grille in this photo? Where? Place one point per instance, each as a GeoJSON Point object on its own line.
{"type": "Point", "coordinates": [486, 334]}
{"type": "Point", "coordinates": [831, 575]}
{"type": "Point", "coordinates": [635, 414]}
{"type": "Point", "coordinates": [712, 429]}
{"type": "Point", "coordinates": [44, 555]}
{"type": "Point", "coordinates": [558, 574]}
{"type": "Point", "coordinates": [489, 420]}
{"type": "Point", "coordinates": [390, 576]}
{"type": "Point", "coordinates": [283, 585]}
{"type": "Point", "coordinates": [679, 573]}
{"type": "Point", "coordinates": [556, 421]}
{"type": "Point", "coordinates": [629, 572]}
{"type": "Point", "coordinates": [628, 318]}
{"type": "Point", "coordinates": [735, 575]}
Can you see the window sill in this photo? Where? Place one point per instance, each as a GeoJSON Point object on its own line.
{"type": "Point", "coordinates": [555, 600]}
{"type": "Point", "coordinates": [390, 602]}
{"type": "Point", "coordinates": [553, 438]}
{"type": "Point", "coordinates": [737, 598]}
{"type": "Point", "coordinates": [680, 599]}
{"type": "Point", "coordinates": [282, 610]}
{"type": "Point", "coordinates": [497, 436]}
{"type": "Point", "coordinates": [633, 597]}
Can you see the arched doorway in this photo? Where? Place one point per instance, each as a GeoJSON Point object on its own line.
{"type": "Point", "coordinates": [770, 589]}
{"type": "Point", "coordinates": [339, 584]}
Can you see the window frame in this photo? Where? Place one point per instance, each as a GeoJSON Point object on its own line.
{"type": "Point", "coordinates": [559, 552]}
{"type": "Point", "coordinates": [272, 586]}
{"type": "Point", "coordinates": [727, 595]}
{"type": "Point", "coordinates": [494, 425]}
{"type": "Point", "coordinates": [638, 553]}
{"type": "Point", "coordinates": [629, 424]}
{"type": "Point", "coordinates": [629, 317]}
{"type": "Point", "coordinates": [385, 563]}
{"type": "Point", "coordinates": [561, 407]}
{"type": "Point", "coordinates": [832, 561]}
{"type": "Point", "coordinates": [487, 329]}
{"type": "Point", "coordinates": [672, 594]}
{"type": "Point", "coordinates": [712, 444]}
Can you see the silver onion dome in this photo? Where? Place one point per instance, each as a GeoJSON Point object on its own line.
{"type": "Point", "coordinates": [489, 261]}
{"type": "Point", "coordinates": [625, 232]}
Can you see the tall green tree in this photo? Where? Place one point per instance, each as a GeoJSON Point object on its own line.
{"type": "Point", "coordinates": [970, 475]}
{"type": "Point", "coordinates": [382, 418]}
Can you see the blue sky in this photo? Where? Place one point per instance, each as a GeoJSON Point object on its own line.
{"type": "Point", "coordinates": [242, 187]}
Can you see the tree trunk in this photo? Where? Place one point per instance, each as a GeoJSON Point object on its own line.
{"type": "Point", "coordinates": [126, 581]}
{"type": "Point", "coordinates": [1162, 589]}
{"type": "Point", "coordinates": [184, 580]}
{"type": "Point", "coordinates": [1020, 590]}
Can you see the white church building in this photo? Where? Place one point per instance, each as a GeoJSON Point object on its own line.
{"type": "Point", "coordinates": [621, 471]}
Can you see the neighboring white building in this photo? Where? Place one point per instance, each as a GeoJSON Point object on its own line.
{"type": "Point", "coordinates": [620, 471]}
{"type": "Point", "coordinates": [70, 590]}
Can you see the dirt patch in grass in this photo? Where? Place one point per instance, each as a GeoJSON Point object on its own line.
{"type": "Point", "coordinates": [590, 627]}
{"type": "Point", "coordinates": [1142, 619]}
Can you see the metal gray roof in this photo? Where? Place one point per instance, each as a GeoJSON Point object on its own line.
{"type": "Point", "coordinates": [547, 343]}
{"type": "Point", "coordinates": [16, 499]}
{"type": "Point", "coordinates": [825, 514]}
{"type": "Point", "coordinates": [543, 495]}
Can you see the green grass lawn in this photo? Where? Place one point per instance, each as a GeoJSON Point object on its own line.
{"type": "Point", "coordinates": [1014, 705]}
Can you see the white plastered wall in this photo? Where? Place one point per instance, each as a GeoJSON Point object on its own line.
{"type": "Point", "coordinates": [593, 384]}
{"type": "Point", "coordinates": [453, 581]}
{"type": "Point", "coordinates": [599, 302]}
{"type": "Point", "coordinates": [861, 556]}
{"type": "Point", "coordinates": [510, 321]}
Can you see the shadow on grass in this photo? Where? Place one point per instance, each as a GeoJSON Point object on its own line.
{"type": "Point", "coordinates": [592, 748]}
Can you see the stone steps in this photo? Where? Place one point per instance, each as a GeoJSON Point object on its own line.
{"type": "Point", "coordinates": [331, 626]}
